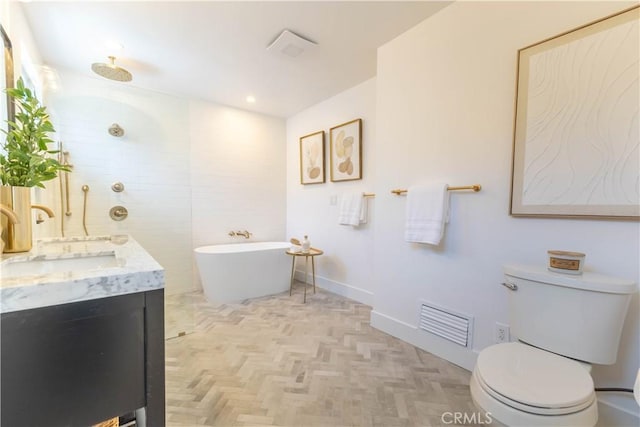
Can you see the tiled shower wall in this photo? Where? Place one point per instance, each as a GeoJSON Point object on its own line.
{"type": "Point", "coordinates": [151, 160]}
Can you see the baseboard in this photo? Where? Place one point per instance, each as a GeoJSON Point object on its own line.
{"type": "Point", "coordinates": [458, 355]}
{"type": "Point", "coordinates": [621, 409]}
{"type": "Point", "coordinates": [342, 289]}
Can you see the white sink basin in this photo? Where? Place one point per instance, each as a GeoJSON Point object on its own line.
{"type": "Point", "coordinates": [24, 268]}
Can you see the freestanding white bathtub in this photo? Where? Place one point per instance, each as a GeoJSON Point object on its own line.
{"type": "Point", "coordinates": [237, 271]}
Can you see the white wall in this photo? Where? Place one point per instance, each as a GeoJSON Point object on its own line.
{"type": "Point", "coordinates": [238, 169]}
{"type": "Point", "coordinates": [345, 268]}
{"type": "Point", "coordinates": [445, 108]}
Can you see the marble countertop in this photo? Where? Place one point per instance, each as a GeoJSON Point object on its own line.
{"type": "Point", "coordinates": [56, 271]}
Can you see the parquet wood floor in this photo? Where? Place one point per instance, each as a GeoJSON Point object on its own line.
{"type": "Point", "coordinates": [275, 361]}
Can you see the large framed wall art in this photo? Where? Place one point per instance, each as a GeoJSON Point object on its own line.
{"type": "Point", "coordinates": [576, 135]}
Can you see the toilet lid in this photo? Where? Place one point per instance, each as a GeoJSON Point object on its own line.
{"type": "Point", "coordinates": [534, 377]}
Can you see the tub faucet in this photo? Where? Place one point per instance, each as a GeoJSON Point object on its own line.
{"type": "Point", "coordinates": [244, 233]}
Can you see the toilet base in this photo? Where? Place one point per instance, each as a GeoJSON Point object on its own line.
{"type": "Point", "coordinates": [509, 416]}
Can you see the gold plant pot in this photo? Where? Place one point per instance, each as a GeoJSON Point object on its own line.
{"type": "Point", "coordinates": [17, 237]}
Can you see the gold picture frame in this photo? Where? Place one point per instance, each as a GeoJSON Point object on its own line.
{"type": "Point", "coordinates": [346, 151]}
{"type": "Point", "coordinates": [312, 158]}
{"type": "Point", "coordinates": [576, 136]}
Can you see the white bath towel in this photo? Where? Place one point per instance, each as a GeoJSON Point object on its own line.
{"type": "Point", "coordinates": [427, 213]}
{"type": "Point", "coordinates": [353, 210]}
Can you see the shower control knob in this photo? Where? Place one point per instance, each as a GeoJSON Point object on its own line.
{"type": "Point", "coordinates": [118, 213]}
{"type": "Point", "coordinates": [117, 187]}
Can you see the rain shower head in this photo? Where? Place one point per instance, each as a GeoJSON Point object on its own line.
{"type": "Point", "coordinates": [111, 71]}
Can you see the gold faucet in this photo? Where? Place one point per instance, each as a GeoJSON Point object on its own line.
{"type": "Point", "coordinates": [244, 233]}
{"type": "Point", "coordinates": [9, 213]}
{"type": "Point", "coordinates": [46, 210]}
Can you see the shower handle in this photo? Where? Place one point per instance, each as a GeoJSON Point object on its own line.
{"type": "Point", "coordinates": [118, 213]}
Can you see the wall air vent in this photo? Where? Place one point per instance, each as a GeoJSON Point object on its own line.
{"type": "Point", "coordinates": [446, 324]}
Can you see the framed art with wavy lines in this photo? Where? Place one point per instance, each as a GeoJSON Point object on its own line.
{"type": "Point", "coordinates": [576, 135]}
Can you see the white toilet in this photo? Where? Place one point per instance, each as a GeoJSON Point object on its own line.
{"type": "Point", "coordinates": [563, 324]}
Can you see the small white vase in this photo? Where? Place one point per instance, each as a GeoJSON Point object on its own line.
{"type": "Point", "coordinates": [306, 244]}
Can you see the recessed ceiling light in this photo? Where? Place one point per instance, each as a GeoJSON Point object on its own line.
{"type": "Point", "coordinates": [251, 99]}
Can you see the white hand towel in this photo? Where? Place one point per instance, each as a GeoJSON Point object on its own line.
{"type": "Point", "coordinates": [353, 210]}
{"type": "Point", "coordinates": [427, 213]}
{"type": "Point", "coordinates": [364, 213]}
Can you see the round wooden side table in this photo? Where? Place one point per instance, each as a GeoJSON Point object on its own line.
{"type": "Point", "coordinates": [312, 253]}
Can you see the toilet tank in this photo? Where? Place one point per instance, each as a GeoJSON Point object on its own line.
{"type": "Point", "coordinates": [578, 316]}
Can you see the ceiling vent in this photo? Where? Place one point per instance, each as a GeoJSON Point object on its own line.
{"type": "Point", "coordinates": [290, 44]}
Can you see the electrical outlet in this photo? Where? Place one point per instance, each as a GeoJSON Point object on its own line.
{"type": "Point", "coordinates": [501, 333]}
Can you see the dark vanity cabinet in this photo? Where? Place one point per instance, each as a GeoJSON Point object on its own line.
{"type": "Point", "coordinates": [81, 363]}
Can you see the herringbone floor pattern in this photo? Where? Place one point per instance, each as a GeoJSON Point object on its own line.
{"type": "Point", "coordinates": [276, 361]}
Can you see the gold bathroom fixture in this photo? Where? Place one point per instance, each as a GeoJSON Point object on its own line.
{"type": "Point", "coordinates": [118, 213]}
{"type": "Point", "coordinates": [63, 177]}
{"type": "Point", "coordinates": [85, 190]}
{"type": "Point", "coordinates": [12, 218]}
{"type": "Point", "coordinates": [66, 184]}
{"type": "Point", "coordinates": [16, 219]}
{"type": "Point", "coordinates": [17, 234]}
{"type": "Point", "coordinates": [39, 217]}
{"type": "Point", "coordinates": [45, 209]}
{"type": "Point", "coordinates": [244, 233]}
{"type": "Point", "coordinates": [111, 71]}
{"type": "Point", "coordinates": [48, 211]}
{"type": "Point", "coordinates": [368, 194]}
{"type": "Point", "coordinates": [475, 187]}
{"type": "Point", "coordinates": [10, 214]}
{"type": "Point", "coordinates": [117, 187]}
{"type": "Point", "coordinates": [65, 201]}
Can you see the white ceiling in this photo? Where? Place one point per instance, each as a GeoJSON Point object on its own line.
{"type": "Point", "coordinates": [216, 51]}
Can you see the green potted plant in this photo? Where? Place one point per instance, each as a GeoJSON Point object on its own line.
{"type": "Point", "coordinates": [25, 162]}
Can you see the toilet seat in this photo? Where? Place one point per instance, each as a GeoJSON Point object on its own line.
{"type": "Point", "coordinates": [533, 380]}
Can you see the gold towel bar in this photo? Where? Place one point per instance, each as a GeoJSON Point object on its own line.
{"type": "Point", "coordinates": [368, 194]}
{"type": "Point", "coordinates": [475, 187]}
